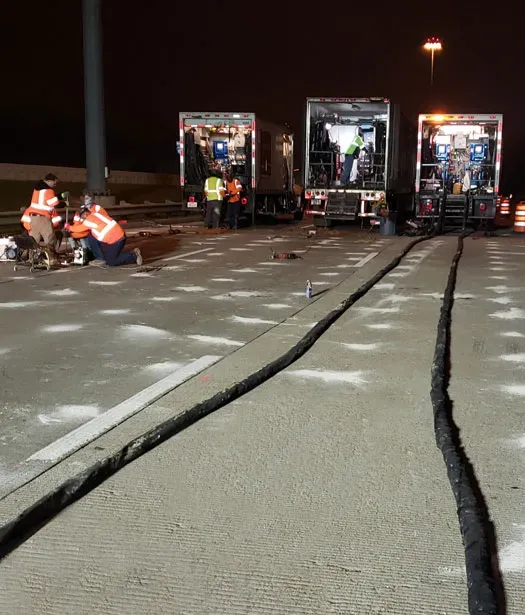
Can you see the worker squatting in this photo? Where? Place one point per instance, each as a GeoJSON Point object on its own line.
{"type": "Point", "coordinates": [92, 227]}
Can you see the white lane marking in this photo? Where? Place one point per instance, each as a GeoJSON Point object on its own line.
{"type": "Point", "coordinates": [385, 325]}
{"type": "Point", "coordinates": [64, 292]}
{"type": "Point", "coordinates": [4, 351]}
{"type": "Point", "coordinates": [512, 334]}
{"type": "Point", "coordinates": [164, 298]}
{"type": "Point", "coordinates": [115, 312]}
{"type": "Point", "coordinates": [225, 280]}
{"type": "Point", "coordinates": [70, 413]}
{"type": "Point", "coordinates": [104, 282]}
{"type": "Point", "coordinates": [513, 358]}
{"type": "Point", "coordinates": [252, 321]}
{"type": "Point", "coordinates": [245, 270]}
{"type": "Point", "coordinates": [134, 331]}
{"type": "Point", "coordinates": [191, 289]}
{"type": "Point", "coordinates": [278, 306]}
{"type": "Point", "coordinates": [216, 254]}
{"type": "Point", "coordinates": [164, 367]}
{"type": "Point", "coordinates": [512, 556]}
{"type": "Point", "coordinates": [241, 249]}
{"type": "Point", "coordinates": [498, 277]}
{"type": "Point", "coordinates": [195, 260]}
{"type": "Point", "coordinates": [114, 416]}
{"type": "Point", "coordinates": [376, 310]}
{"type": "Point", "coordinates": [501, 290]}
{"type": "Point", "coordinates": [329, 375]}
{"type": "Point", "coordinates": [61, 328]}
{"type": "Point", "coordinates": [502, 300]}
{"type": "Point", "coordinates": [514, 389]}
{"type": "Point", "coordinates": [179, 256]}
{"type": "Point", "coordinates": [209, 339]}
{"type": "Point", "coordinates": [512, 314]}
{"type": "Point", "coordinates": [383, 286]}
{"type": "Point", "coordinates": [361, 346]}
{"type": "Point", "coordinates": [19, 304]}
{"type": "Point", "coordinates": [333, 273]}
{"type": "Point", "coordinates": [365, 260]}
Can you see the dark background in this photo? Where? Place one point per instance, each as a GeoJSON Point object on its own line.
{"type": "Point", "coordinates": [161, 57]}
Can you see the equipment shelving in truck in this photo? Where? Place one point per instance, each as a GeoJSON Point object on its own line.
{"type": "Point", "coordinates": [458, 167]}
{"type": "Point", "coordinates": [358, 152]}
{"type": "Point", "coordinates": [258, 153]}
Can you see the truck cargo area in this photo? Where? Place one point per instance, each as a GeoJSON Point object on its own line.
{"type": "Point", "coordinates": [458, 167]}
{"type": "Point", "coordinates": [334, 159]}
{"type": "Point", "coordinates": [258, 153]}
{"type": "Point", "coordinates": [223, 144]}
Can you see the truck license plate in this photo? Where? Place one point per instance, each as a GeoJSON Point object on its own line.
{"type": "Point", "coordinates": [316, 201]}
{"type": "Point", "coordinates": [192, 204]}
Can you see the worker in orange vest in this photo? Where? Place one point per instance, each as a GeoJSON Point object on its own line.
{"type": "Point", "coordinates": [41, 218]}
{"type": "Point", "coordinates": [234, 189]}
{"type": "Point", "coordinates": [80, 237]}
{"type": "Point", "coordinates": [106, 238]}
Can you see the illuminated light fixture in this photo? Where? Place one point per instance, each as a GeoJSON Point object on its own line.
{"type": "Point", "coordinates": [433, 44]}
{"type": "Point", "coordinates": [328, 126]}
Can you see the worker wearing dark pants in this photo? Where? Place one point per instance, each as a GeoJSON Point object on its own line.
{"type": "Point", "coordinates": [213, 214]}
{"type": "Point", "coordinates": [233, 188]}
{"type": "Point", "coordinates": [214, 190]}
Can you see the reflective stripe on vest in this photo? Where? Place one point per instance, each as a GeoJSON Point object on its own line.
{"type": "Point", "coordinates": [214, 194]}
{"type": "Point", "coordinates": [357, 141]}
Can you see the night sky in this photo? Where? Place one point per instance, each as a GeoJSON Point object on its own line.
{"type": "Point", "coordinates": [164, 56]}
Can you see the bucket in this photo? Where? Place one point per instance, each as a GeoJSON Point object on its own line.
{"type": "Point", "coordinates": [387, 226]}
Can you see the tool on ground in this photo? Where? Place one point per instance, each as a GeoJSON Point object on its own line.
{"type": "Point", "coordinates": [284, 255]}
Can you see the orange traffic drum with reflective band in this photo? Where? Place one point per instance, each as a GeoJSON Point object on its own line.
{"type": "Point", "coordinates": [505, 207]}
{"type": "Point", "coordinates": [519, 218]}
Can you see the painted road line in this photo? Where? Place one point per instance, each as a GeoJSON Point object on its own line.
{"type": "Point", "coordinates": [114, 416]}
{"type": "Point", "coordinates": [365, 260]}
{"type": "Point", "coordinates": [174, 258]}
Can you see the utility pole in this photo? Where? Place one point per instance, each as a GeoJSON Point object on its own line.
{"type": "Point", "coordinates": [95, 129]}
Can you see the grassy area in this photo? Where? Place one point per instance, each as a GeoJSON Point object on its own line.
{"type": "Point", "coordinates": [17, 194]}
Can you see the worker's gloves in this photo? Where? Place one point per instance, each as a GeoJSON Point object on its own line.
{"type": "Point", "coordinates": [67, 226]}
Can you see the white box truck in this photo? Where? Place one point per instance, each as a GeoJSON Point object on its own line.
{"type": "Point", "coordinates": [257, 152]}
{"type": "Point", "coordinates": [458, 167]}
{"type": "Point", "coordinates": [357, 152]}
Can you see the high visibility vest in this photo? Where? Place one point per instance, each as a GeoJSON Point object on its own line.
{"type": "Point", "coordinates": [214, 189]}
{"type": "Point", "coordinates": [234, 189]}
{"type": "Point", "coordinates": [26, 218]}
{"type": "Point", "coordinates": [357, 141]}
{"type": "Point", "coordinates": [43, 202]}
{"type": "Point", "coordinates": [102, 227]}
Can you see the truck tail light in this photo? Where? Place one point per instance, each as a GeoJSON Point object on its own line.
{"type": "Point", "coordinates": [244, 201]}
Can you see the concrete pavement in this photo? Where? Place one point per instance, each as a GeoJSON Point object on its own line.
{"type": "Point", "coordinates": [77, 344]}
{"type": "Point", "coordinates": [321, 491]}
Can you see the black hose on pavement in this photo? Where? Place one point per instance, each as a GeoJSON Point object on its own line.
{"type": "Point", "coordinates": [485, 586]}
{"type": "Point", "coordinates": [15, 532]}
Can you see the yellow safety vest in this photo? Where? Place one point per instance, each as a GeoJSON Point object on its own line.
{"type": "Point", "coordinates": [214, 189]}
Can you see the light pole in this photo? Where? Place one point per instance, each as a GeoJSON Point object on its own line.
{"type": "Point", "coordinates": [433, 44]}
{"type": "Point", "coordinates": [94, 97]}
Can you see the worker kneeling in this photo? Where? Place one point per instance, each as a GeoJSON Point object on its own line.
{"type": "Point", "coordinates": [105, 237]}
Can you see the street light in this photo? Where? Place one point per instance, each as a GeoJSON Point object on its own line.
{"type": "Point", "coordinates": [433, 44]}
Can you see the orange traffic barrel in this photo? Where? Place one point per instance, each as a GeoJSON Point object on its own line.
{"type": "Point", "coordinates": [519, 218]}
{"type": "Point", "coordinates": [504, 209]}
